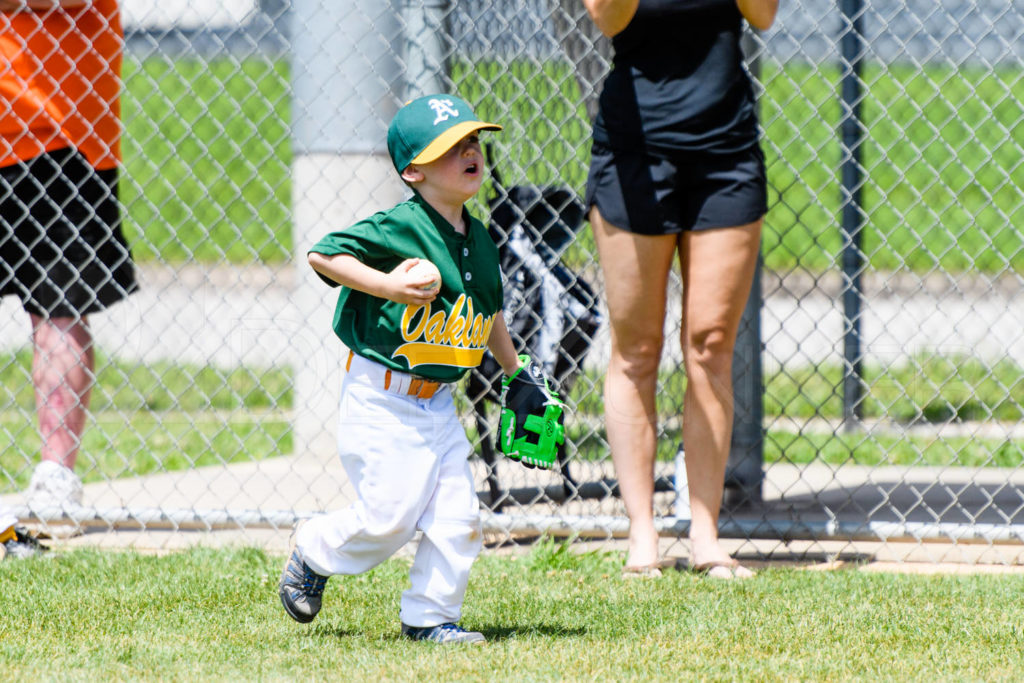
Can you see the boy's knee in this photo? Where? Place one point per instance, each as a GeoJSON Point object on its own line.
{"type": "Point", "coordinates": [465, 536]}
{"type": "Point", "coordinates": [389, 523]}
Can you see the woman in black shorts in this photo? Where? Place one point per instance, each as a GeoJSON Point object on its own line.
{"type": "Point", "coordinates": [676, 169]}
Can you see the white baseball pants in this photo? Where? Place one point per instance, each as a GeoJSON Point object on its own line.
{"type": "Point", "coordinates": [407, 459]}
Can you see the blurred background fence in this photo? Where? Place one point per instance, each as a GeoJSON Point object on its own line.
{"type": "Point", "coordinates": [886, 346]}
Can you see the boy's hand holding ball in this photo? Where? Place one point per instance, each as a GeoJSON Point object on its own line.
{"type": "Point", "coordinates": [426, 272]}
{"type": "Point", "coordinates": [413, 281]}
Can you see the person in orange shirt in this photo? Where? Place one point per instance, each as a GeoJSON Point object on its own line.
{"type": "Point", "coordinates": [62, 251]}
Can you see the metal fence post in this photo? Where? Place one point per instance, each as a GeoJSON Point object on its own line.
{"type": "Point", "coordinates": [744, 471]}
{"type": "Point", "coordinates": [426, 47]}
{"type": "Point", "coordinates": [852, 50]}
{"type": "Point", "coordinates": [346, 78]}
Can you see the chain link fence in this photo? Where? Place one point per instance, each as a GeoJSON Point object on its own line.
{"type": "Point", "coordinates": [888, 335]}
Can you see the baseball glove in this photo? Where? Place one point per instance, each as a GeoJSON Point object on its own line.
{"type": "Point", "coordinates": [531, 417]}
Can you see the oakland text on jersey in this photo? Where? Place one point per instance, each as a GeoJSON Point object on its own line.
{"type": "Point", "coordinates": [437, 338]}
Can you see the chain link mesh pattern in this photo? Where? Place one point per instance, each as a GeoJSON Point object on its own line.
{"type": "Point", "coordinates": [892, 343]}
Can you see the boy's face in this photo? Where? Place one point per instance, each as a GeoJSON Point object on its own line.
{"type": "Point", "coordinates": [456, 175]}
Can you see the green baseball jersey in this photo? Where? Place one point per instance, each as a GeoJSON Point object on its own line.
{"type": "Point", "coordinates": [440, 340]}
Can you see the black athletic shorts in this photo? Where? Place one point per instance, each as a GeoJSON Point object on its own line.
{"type": "Point", "coordinates": [62, 251]}
{"type": "Point", "coordinates": [654, 195]}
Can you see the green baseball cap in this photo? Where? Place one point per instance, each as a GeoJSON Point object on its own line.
{"type": "Point", "coordinates": [427, 127]}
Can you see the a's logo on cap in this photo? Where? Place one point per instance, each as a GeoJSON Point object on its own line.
{"type": "Point", "coordinates": [444, 109]}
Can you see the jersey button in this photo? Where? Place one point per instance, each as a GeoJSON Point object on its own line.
{"type": "Point", "coordinates": [469, 276]}
{"type": "Point", "coordinates": [465, 251]}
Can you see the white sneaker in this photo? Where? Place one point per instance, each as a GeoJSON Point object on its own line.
{"type": "Point", "coordinates": [53, 485]}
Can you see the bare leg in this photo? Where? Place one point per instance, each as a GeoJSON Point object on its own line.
{"type": "Point", "coordinates": [718, 267]}
{"type": "Point", "coordinates": [62, 371]}
{"type": "Point", "coordinates": [636, 271]}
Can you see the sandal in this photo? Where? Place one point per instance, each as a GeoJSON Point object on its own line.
{"type": "Point", "coordinates": [647, 571]}
{"type": "Point", "coordinates": [725, 570]}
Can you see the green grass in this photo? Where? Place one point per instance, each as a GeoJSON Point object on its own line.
{"type": "Point", "coordinates": [922, 390]}
{"type": "Point", "coordinates": [890, 448]}
{"type": "Point", "coordinates": [878, 447]}
{"type": "Point", "coordinates": [215, 615]}
{"type": "Point", "coordinates": [943, 166]}
{"type": "Point", "coordinates": [926, 388]}
{"type": "Point", "coordinates": [119, 444]}
{"type": "Point", "coordinates": [207, 156]}
{"type": "Point", "coordinates": [208, 153]}
{"type": "Point", "coordinates": [155, 417]}
{"type": "Point", "coordinates": [159, 386]}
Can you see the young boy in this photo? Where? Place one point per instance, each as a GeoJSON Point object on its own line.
{"type": "Point", "coordinates": [400, 440]}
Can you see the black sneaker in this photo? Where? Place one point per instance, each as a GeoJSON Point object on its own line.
{"type": "Point", "coordinates": [300, 589]}
{"type": "Point", "coordinates": [19, 544]}
{"type": "Point", "coordinates": [444, 633]}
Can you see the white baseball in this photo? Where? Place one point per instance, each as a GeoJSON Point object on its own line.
{"type": "Point", "coordinates": [425, 269]}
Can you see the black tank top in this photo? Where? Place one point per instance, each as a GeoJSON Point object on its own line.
{"type": "Point", "coordinates": [678, 81]}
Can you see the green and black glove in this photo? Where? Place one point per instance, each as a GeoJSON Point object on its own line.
{"type": "Point", "coordinates": [531, 417]}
